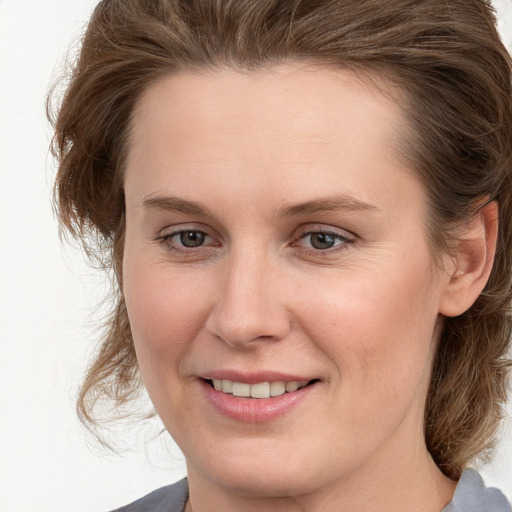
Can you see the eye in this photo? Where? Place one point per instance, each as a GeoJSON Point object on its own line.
{"type": "Point", "coordinates": [323, 241]}
{"type": "Point", "coordinates": [186, 240]}
{"type": "Point", "coordinates": [191, 238]}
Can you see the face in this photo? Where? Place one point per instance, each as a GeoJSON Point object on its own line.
{"type": "Point", "coordinates": [275, 240]}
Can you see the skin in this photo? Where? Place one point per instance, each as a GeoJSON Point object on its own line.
{"type": "Point", "coordinates": [363, 317]}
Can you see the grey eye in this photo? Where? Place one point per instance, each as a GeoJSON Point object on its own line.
{"type": "Point", "coordinates": [322, 240]}
{"type": "Point", "coordinates": [192, 238]}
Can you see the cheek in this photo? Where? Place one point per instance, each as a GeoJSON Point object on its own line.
{"type": "Point", "coordinates": [378, 330]}
{"type": "Point", "coordinates": [379, 336]}
{"type": "Point", "coordinates": [166, 311]}
{"type": "Point", "coordinates": [161, 300]}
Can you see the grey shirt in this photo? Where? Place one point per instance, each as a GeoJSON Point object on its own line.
{"type": "Point", "coordinates": [471, 495]}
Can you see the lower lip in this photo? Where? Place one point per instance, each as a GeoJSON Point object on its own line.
{"type": "Point", "coordinates": [254, 410]}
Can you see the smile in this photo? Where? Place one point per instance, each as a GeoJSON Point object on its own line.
{"type": "Point", "coordinates": [259, 389]}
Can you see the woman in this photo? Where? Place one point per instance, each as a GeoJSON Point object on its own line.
{"type": "Point", "coordinates": [300, 202]}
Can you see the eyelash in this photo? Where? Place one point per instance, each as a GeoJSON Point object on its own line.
{"type": "Point", "coordinates": [341, 241]}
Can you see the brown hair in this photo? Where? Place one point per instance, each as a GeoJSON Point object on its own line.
{"type": "Point", "coordinates": [447, 58]}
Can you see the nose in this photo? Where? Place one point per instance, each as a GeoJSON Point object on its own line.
{"type": "Point", "coordinates": [251, 303]}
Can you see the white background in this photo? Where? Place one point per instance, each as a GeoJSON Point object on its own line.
{"type": "Point", "coordinates": [48, 300]}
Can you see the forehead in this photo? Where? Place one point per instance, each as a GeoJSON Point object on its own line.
{"type": "Point", "coordinates": [295, 99]}
{"type": "Point", "coordinates": [270, 128]}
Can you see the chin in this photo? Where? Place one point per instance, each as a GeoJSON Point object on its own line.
{"type": "Point", "coordinates": [263, 470]}
{"type": "Point", "coordinates": [251, 483]}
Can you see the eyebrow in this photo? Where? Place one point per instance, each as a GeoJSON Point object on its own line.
{"type": "Point", "coordinates": [341, 202]}
{"type": "Point", "coordinates": [323, 204]}
{"type": "Point", "coordinates": [176, 204]}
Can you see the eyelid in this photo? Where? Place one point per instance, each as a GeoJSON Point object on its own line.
{"type": "Point", "coordinates": [307, 229]}
{"type": "Point", "coordinates": [175, 229]}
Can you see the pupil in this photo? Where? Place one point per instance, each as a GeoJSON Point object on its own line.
{"type": "Point", "coordinates": [322, 240]}
{"type": "Point", "coordinates": [192, 238]}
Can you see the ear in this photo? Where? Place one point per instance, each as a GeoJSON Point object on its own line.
{"type": "Point", "coordinates": [471, 260]}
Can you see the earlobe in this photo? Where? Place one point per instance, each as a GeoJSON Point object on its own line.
{"type": "Point", "coordinates": [472, 258]}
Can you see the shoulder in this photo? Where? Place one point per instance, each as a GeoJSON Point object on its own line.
{"type": "Point", "coordinates": [472, 495]}
{"type": "Point", "coordinates": [171, 498]}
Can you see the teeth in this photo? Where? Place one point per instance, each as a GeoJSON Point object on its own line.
{"type": "Point", "coordinates": [226, 386]}
{"type": "Point", "coordinates": [277, 388]}
{"type": "Point", "coordinates": [259, 390]}
{"type": "Point", "coordinates": [241, 389]}
{"type": "Point", "coordinates": [292, 386]}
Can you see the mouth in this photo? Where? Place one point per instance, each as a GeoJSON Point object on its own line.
{"type": "Point", "coordinates": [258, 390]}
{"type": "Point", "coordinates": [256, 397]}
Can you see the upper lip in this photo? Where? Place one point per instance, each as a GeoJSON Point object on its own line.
{"type": "Point", "coordinates": [253, 377]}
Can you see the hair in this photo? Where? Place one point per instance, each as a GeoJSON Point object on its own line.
{"type": "Point", "coordinates": [447, 58]}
